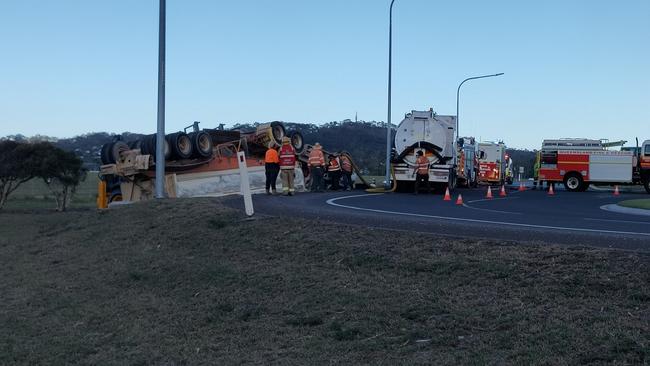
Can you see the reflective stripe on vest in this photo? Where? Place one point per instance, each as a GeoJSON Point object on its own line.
{"type": "Point", "coordinates": [423, 165]}
{"type": "Point", "coordinates": [334, 166]}
{"type": "Point", "coordinates": [287, 156]}
{"type": "Point", "coordinates": [316, 158]}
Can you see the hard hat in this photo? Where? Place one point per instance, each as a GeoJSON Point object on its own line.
{"type": "Point", "coordinates": [317, 146]}
{"type": "Point", "coordinates": [286, 140]}
{"type": "Point", "coordinates": [420, 152]}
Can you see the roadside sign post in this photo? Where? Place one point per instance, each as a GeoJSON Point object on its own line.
{"type": "Point", "coordinates": [245, 186]}
{"type": "Point", "coordinates": [521, 172]}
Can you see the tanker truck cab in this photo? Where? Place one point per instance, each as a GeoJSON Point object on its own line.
{"type": "Point", "coordinates": [434, 136]}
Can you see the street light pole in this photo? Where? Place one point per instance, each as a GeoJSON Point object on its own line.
{"type": "Point", "coordinates": [458, 94]}
{"type": "Point", "coordinates": [390, 64]}
{"type": "Point", "coordinates": [160, 133]}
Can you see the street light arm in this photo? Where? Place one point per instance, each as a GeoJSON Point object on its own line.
{"type": "Point", "coordinates": [458, 95]}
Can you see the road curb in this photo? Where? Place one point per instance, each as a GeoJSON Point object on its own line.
{"type": "Point", "coordinates": [625, 210]}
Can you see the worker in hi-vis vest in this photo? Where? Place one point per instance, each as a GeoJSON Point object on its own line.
{"type": "Point", "coordinates": [271, 168]}
{"type": "Point", "coordinates": [316, 165]}
{"type": "Point", "coordinates": [287, 166]}
{"type": "Point", "coordinates": [334, 172]}
{"type": "Point", "coordinates": [421, 171]}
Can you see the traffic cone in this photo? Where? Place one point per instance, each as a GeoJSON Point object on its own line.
{"type": "Point", "coordinates": [459, 201]}
{"type": "Point", "coordinates": [502, 193]}
{"type": "Point", "coordinates": [447, 195]}
{"type": "Point", "coordinates": [616, 192]}
{"type": "Point", "coordinates": [489, 193]}
{"type": "Point", "coordinates": [550, 190]}
{"type": "Point", "coordinates": [521, 187]}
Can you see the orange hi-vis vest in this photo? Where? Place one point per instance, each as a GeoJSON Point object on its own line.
{"type": "Point", "coordinates": [346, 164]}
{"type": "Point", "coordinates": [334, 165]}
{"type": "Point", "coordinates": [287, 157]}
{"type": "Point", "coordinates": [316, 158]}
{"type": "Point", "coordinates": [422, 164]}
{"type": "Point", "coordinates": [271, 156]}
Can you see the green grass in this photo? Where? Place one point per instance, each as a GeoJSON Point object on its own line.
{"type": "Point", "coordinates": [189, 282]}
{"type": "Point", "coordinates": [640, 203]}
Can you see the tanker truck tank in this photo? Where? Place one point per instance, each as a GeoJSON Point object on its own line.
{"type": "Point", "coordinates": [434, 136]}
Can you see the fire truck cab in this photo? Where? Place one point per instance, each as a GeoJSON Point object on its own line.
{"type": "Point", "coordinates": [579, 162]}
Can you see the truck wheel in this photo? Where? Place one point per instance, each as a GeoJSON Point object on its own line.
{"type": "Point", "coordinates": [573, 182]}
{"type": "Point", "coordinates": [201, 144]}
{"type": "Point", "coordinates": [106, 153]}
{"type": "Point", "coordinates": [646, 184]}
{"type": "Point", "coordinates": [180, 144]}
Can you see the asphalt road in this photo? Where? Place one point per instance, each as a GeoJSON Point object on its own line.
{"type": "Point", "coordinates": [564, 218]}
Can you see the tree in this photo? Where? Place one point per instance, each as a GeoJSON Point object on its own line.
{"type": "Point", "coordinates": [61, 170]}
{"type": "Point", "coordinates": [13, 171]}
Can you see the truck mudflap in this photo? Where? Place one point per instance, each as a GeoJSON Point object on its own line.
{"type": "Point", "coordinates": [437, 173]}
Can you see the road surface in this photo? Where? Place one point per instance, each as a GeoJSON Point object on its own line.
{"type": "Point", "coordinates": [534, 216]}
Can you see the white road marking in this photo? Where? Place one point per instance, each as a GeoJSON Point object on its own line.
{"type": "Point", "coordinates": [332, 202]}
{"type": "Point", "coordinates": [489, 199]}
{"type": "Point", "coordinates": [624, 221]}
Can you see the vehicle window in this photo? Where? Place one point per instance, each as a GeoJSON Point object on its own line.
{"type": "Point", "coordinates": [646, 150]}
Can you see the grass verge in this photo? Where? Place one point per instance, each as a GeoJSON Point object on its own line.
{"type": "Point", "coordinates": [640, 203]}
{"type": "Point", "coordinates": [190, 282]}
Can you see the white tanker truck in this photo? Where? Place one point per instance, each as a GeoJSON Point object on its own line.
{"type": "Point", "coordinates": [434, 136]}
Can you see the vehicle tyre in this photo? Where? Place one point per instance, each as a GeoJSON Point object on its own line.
{"type": "Point", "coordinates": [201, 144]}
{"type": "Point", "coordinates": [646, 184]}
{"type": "Point", "coordinates": [115, 195]}
{"type": "Point", "coordinates": [181, 145]}
{"type": "Point", "coordinates": [452, 180]}
{"type": "Point", "coordinates": [105, 154]}
{"type": "Point", "coordinates": [297, 141]}
{"type": "Point", "coordinates": [278, 131]}
{"type": "Point", "coordinates": [135, 145]}
{"type": "Point", "coordinates": [117, 148]}
{"type": "Point", "coordinates": [573, 182]}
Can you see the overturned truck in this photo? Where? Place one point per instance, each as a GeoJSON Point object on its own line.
{"type": "Point", "coordinates": [197, 162]}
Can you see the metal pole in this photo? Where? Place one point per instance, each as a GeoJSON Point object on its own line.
{"type": "Point", "coordinates": [458, 94]}
{"type": "Point", "coordinates": [160, 134]}
{"type": "Point", "coordinates": [390, 64]}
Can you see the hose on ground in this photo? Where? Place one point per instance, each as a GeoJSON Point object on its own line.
{"type": "Point", "coordinates": [371, 190]}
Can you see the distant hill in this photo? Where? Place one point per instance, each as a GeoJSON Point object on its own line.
{"type": "Point", "coordinates": [365, 141]}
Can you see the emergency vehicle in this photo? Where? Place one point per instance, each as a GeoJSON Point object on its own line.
{"type": "Point", "coordinates": [579, 162]}
{"type": "Point", "coordinates": [433, 135]}
{"type": "Point", "coordinates": [467, 169]}
{"type": "Point", "coordinates": [495, 166]}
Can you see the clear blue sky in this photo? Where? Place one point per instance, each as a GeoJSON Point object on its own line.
{"type": "Point", "coordinates": [572, 68]}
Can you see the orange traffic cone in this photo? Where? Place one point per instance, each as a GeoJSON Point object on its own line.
{"type": "Point", "coordinates": [521, 187]}
{"type": "Point", "coordinates": [616, 192]}
{"type": "Point", "coordinates": [447, 195]}
{"type": "Point", "coordinates": [550, 190]}
{"type": "Point", "coordinates": [489, 193]}
{"type": "Point", "coordinates": [459, 201]}
{"type": "Point", "coordinates": [502, 193]}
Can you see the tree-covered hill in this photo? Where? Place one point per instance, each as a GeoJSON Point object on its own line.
{"type": "Point", "coordinates": [365, 141]}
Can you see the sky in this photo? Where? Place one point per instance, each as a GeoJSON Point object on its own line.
{"type": "Point", "coordinates": [572, 68]}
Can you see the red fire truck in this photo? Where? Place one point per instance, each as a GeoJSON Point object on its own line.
{"type": "Point", "coordinates": [495, 166]}
{"type": "Point", "coordinates": [580, 162]}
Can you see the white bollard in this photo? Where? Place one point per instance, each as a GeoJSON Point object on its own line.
{"type": "Point", "coordinates": [245, 185]}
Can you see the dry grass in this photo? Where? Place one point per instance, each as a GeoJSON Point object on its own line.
{"type": "Point", "coordinates": [189, 282]}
